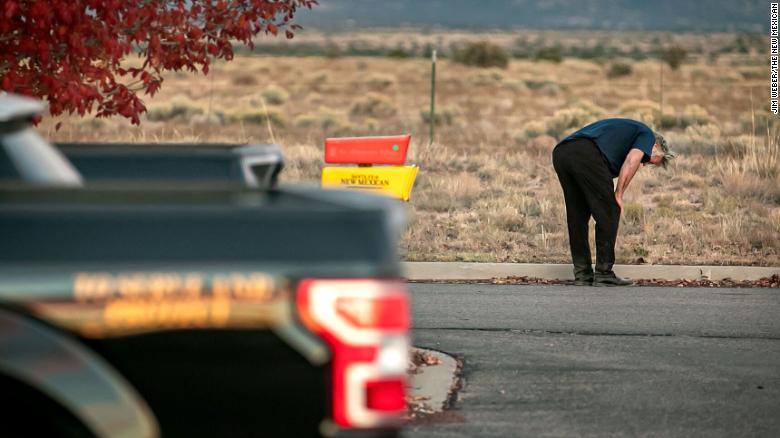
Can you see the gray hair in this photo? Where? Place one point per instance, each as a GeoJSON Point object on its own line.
{"type": "Point", "coordinates": [668, 154]}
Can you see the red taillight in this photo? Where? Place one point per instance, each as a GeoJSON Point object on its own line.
{"type": "Point", "coordinates": [366, 324]}
{"type": "Point", "coordinates": [391, 312]}
{"type": "Point", "coordinates": [385, 395]}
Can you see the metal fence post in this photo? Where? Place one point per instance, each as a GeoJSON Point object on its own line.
{"type": "Point", "coordinates": [432, 119]}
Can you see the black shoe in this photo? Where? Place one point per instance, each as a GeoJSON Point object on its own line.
{"type": "Point", "coordinates": [583, 275]}
{"type": "Point", "coordinates": [610, 279]}
{"type": "Point", "coordinates": [583, 281]}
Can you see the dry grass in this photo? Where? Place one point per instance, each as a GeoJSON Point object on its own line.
{"type": "Point", "coordinates": [487, 191]}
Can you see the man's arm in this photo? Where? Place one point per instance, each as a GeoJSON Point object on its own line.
{"type": "Point", "coordinates": [627, 171]}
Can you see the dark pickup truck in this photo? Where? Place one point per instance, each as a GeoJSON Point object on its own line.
{"type": "Point", "coordinates": [256, 165]}
{"type": "Point", "coordinates": [192, 309]}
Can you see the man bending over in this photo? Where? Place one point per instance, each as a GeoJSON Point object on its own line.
{"type": "Point", "coordinates": [586, 163]}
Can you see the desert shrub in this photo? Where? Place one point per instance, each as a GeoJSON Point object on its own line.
{"type": "Point", "coordinates": [637, 53]}
{"type": "Point", "coordinates": [633, 214]}
{"type": "Point", "coordinates": [319, 77]}
{"type": "Point", "coordinates": [244, 80]}
{"type": "Point", "coordinates": [674, 56]}
{"type": "Point", "coordinates": [729, 77]}
{"type": "Point", "coordinates": [532, 129]}
{"type": "Point", "coordinates": [619, 69]}
{"type": "Point", "coordinates": [332, 50]}
{"type": "Point", "coordinates": [663, 200]}
{"type": "Point", "coordinates": [317, 82]}
{"type": "Point", "coordinates": [539, 145]}
{"type": "Point", "coordinates": [482, 54]}
{"type": "Point", "coordinates": [757, 122]}
{"type": "Point", "coordinates": [666, 121]}
{"type": "Point", "coordinates": [306, 121]}
{"type": "Point", "coordinates": [544, 87]}
{"type": "Point", "coordinates": [179, 107]}
{"type": "Point", "coordinates": [314, 99]}
{"type": "Point", "coordinates": [650, 113]}
{"type": "Point", "coordinates": [691, 115]}
{"type": "Point", "coordinates": [551, 54]}
{"type": "Point", "coordinates": [752, 74]}
{"type": "Point", "coordinates": [443, 193]}
{"type": "Point", "coordinates": [550, 90]}
{"type": "Point", "coordinates": [507, 218]}
{"type": "Point", "coordinates": [330, 120]}
{"type": "Point", "coordinates": [701, 74]}
{"type": "Point", "coordinates": [737, 147]}
{"type": "Point", "coordinates": [302, 162]}
{"type": "Point", "coordinates": [443, 116]}
{"type": "Point", "coordinates": [373, 105]}
{"type": "Point", "coordinates": [514, 85]}
{"type": "Point", "coordinates": [257, 117]}
{"type": "Point", "coordinates": [643, 110]}
{"type": "Point", "coordinates": [398, 53]}
{"type": "Point", "coordinates": [695, 115]}
{"type": "Point", "coordinates": [214, 118]}
{"type": "Point", "coordinates": [567, 119]}
{"type": "Point", "coordinates": [705, 132]}
{"type": "Point", "coordinates": [275, 95]}
{"type": "Point", "coordinates": [325, 119]}
{"type": "Point", "coordinates": [369, 126]}
{"type": "Point", "coordinates": [562, 121]}
{"type": "Point", "coordinates": [529, 206]}
{"type": "Point", "coordinates": [698, 139]}
{"type": "Point", "coordinates": [640, 106]}
{"type": "Point", "coordinates": [755, 173]}
{"type": "Point", "coordinates": [485, 78]}
{"type": "Point", "coordinates": [380, 81]}
{"type": "Point", "coordinates": [536, 85]}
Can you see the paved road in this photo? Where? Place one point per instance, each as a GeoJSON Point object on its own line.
{"type": "Point", "coordinates": [568, 361]}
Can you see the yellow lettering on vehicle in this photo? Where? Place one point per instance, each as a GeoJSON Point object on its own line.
{"type": "Point", "coordinates": [160, 285]}
{"type": "Point", "coordinates": [193, 284]}
{"type": "Point", "coordinates": [108, 304]}
{"type": "Point", "coordinates": [133, 314]}
{"type": "Point", "coordinates": [89, 286]}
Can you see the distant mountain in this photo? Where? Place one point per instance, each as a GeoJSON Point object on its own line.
{"type": "Point", "coordinates": [669, 15]}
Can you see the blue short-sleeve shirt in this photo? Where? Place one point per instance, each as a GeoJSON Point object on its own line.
{"type": "Point", "coordinates": [615, 138]}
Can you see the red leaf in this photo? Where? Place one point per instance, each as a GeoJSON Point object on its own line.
{"type": "Point", "coordinates": [87, 74]}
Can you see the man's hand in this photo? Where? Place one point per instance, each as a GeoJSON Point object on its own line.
{"type": "Point", "coordinates": [627, 171]}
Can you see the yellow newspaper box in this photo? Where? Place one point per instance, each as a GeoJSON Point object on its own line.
{"type": "Point", "coordinates": [392, 178]}
{"type": "Point", "coordinates": [395, 181]}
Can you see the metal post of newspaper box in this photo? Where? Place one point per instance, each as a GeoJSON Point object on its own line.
{"type": "Point", "coordinates": [380, 165]}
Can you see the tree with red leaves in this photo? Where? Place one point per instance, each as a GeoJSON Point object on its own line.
{"type": "Point", "coordinates": [71, 51]}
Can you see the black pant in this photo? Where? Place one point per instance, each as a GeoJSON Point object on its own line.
{"type": "Point", "coordinates": [588, 191]}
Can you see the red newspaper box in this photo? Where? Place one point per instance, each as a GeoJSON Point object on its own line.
{"type": "Point", "coordinates": [367, 150]}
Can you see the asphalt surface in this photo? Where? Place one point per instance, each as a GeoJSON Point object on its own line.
{"type": "Point", "coordinates": [580, 361]}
